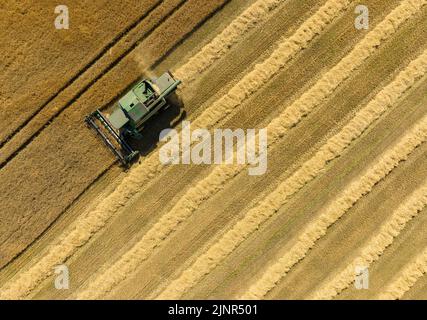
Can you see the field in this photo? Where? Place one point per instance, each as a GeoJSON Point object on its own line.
{"type": "Point", "coordinates": [346, 184]}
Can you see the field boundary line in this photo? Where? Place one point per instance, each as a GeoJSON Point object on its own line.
{"type": "Point", "coordinates": [406, 279]}
{"type": "Point", "coordinates": [333, 148]}
{"type": "Point", "coordinates": [375, 247]}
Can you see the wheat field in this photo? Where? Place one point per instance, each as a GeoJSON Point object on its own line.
{"type": "Point", "coordinates": [345, 114]}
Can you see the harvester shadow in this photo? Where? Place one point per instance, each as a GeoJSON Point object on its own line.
{"type": "Point", "coordinates": [168, 118]}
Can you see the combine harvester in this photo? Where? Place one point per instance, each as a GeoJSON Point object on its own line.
{"type": "Point", "coordinates": [133, 110]}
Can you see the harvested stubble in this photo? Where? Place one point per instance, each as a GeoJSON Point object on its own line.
{"type": "Point", "coordinates": [333, 148]}
{"type": "Point", "coordinates": [252, 82]}
{"type": "Point", "coordinates": [376, 246]}
{"type": "Point", "coordinates": [74, 161]}
{"type": "Point", "coordinates": [266, 70]}
{"type": "Point", "coordinates": [35, 69]}
{"type": "Point", "coordinates": [358, 188]}
{"type": "Point", "coordinates": [257, 13]}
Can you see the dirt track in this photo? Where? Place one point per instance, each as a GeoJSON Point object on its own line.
{"type": "Point", "coordinates": [299, 68]}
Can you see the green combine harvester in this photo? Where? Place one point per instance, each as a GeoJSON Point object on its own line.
{"type": "Point", "coordinates": [133, 110]}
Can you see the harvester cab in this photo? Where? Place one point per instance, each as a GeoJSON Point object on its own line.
{"type": "Point", "coordinates": [132, 111]}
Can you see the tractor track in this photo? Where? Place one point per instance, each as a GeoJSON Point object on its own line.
{"type": "Point", "coordinates": [12, 154]}
{"type": "Point", "coordinates": [159, 60]}
{"type": "Point", "coordinates": [198, 25]}
{"type": "Point", "coordinates": [214, 7]}
{"type": "Point", "coordinates": [101, 53]}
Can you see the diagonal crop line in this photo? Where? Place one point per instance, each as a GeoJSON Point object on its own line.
{"type": "Point", "coordinates": [84, 228]}
{"type": "Point", "coordinates": [187, 205]}
{"type": "Point", "coordinates": [263, 72]}
{"type": "Point", "coordinates": [376, 246]}
{"type": "Point", "coordinates": [101, 53]}
{"type": "Point", "coordinates": [54, 221]}
{"type": "Point", "coordinates": [218, 178]}
{"type": "Point", "coordinates": [357, 189]}
{"type": "Point", "coordinates": [250, 83]}
{"type": "Point", "coordinates": [333, 148]}
{"type": "Point", "coordinates": [406, 279]}
{"type": "Point", "coordinates": [254, 15]}
{"type": "Point", "coordinates": [12, 151]}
